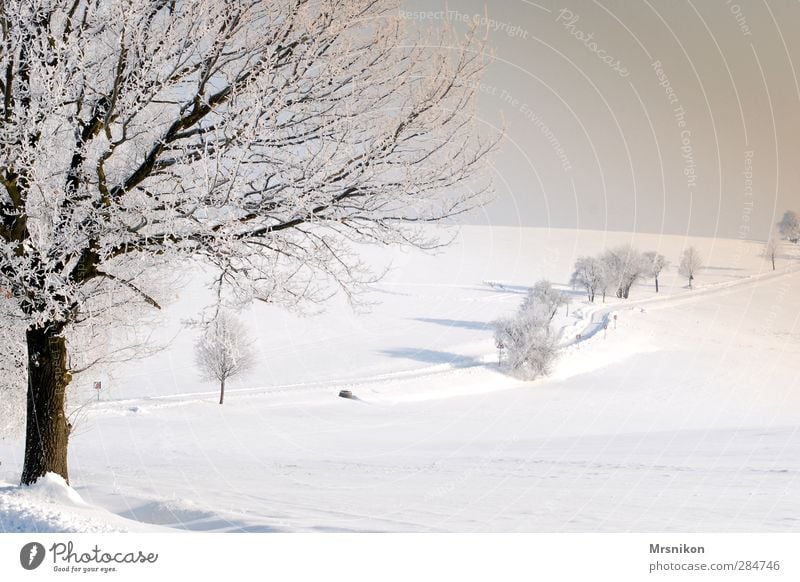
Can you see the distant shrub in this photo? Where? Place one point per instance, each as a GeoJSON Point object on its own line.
{"type": "Point", "coordinates": [526, 342]}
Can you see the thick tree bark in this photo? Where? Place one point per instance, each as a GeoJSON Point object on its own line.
{"type": "Point", "coordinates": [47, 427]}
{"type": "Point", "coordinates": [656, 284]}
{"type": "Point", "coordinates": [221, 391]}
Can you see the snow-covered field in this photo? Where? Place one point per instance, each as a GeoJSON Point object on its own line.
{"type": "Point", "coordinates": [682, 417]}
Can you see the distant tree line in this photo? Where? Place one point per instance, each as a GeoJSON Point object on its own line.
{"type": "Point", "coordinates": [618, 269]}
{"type": "Point", "coordinates": [526, 342]}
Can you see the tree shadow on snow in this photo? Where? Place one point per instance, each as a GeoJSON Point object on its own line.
{"type": "Point", "coordinates": [464, 324]}
{"type": "Point", "coordinates": [166, 514]}
{"type": "Point", "coordinates": [507, 288]}
{"type": "Point", "coordinates": [432, 357]}
{"type": "Point", "coordinates": [713, 268]}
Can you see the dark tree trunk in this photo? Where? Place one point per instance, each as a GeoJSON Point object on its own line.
{"type": "Point", "coordinates": [656, 284]}
{"type": "Point", "coordinates": [221, 391]}
{"type": "Point", "coordinates": [47, 430]}
{"type": "Point", "coordinates": [773, 263]}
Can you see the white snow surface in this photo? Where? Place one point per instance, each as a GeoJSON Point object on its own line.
{"type": "Point", "coordinates": [682, 416]}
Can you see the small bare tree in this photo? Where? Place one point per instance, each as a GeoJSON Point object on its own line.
{"type": "Point", "coordinates": [771, 249]}
{"type": "Point", "coordinates": [224, 351]}
{"type": "Point", "coordinates": [655, 263]}
{"type": "Point", "coordinates": [691, 262]}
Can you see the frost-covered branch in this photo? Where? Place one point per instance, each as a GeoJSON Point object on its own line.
{"type": "Point", "coordinates": [237, 132]}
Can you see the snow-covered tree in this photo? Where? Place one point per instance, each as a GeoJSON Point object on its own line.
{"type": "Point", "coordinates": [691, 262]}
{"type": "Point", "coordinates": [624, 266]}
{"type": "Point", "coordinates": [655, 263]}
{"type": "Point", "coordinates": [771, 248]}
{"type": "Point", "coordinates": [224, 351]}
{"type": "Point", "coordinates": [264, 138]}
{"type": "Point", "coordinates": [588, 274]}
{"type": "Point", "coordinates": [526, 341]}
{"type": "Point", "coordinates": [544, 298]}
{"type": "Point", "coordinates": [789, 226]}
{"type": "Point", "coordinates": [12, 374]}
{"type": "Point", "coordinates": [528, 347]}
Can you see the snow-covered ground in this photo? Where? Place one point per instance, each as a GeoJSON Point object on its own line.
{"type": "Point", "coordinates": [682, 417]}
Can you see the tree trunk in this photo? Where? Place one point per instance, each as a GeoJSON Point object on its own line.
{"type": "Point", "coordinates": [656, 284]}
{"type": "Point", "coordinates": [221, 390]}
{"type": "Point", "coordinates": [47, 430]}
{"type": "Point", "coordinates": [773, 263]}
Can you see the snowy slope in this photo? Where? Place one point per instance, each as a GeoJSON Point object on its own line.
{"type": "Point", "coordinates": [685, 417]}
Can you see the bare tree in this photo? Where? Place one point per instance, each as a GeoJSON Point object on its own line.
{"type": "Point", "coordinates": [224, 351]}
{"type": "Point", "coordinates": [691, 262]}
{"type": "Point", "coordinates": [624, 266]}
{"type": "Point", "coordinates": [655, 263]}
{"type": "Point", "coordinates": [771, 248]}
{"type": "Point", "coordinates": [589, 274]}
{"type": "Point", "coordinates": [789, 226]}
{"type": "Point", "coordinates": [263, 138]}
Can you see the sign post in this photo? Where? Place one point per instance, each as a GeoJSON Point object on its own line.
{"type": "Point", "coordinates": [98, 386]}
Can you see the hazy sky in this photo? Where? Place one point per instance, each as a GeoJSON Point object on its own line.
{"type": "Point", "coordinates": [671, 116]}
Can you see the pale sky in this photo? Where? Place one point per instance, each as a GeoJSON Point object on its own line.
{"type": "Point", "coordinates": [672, 116]}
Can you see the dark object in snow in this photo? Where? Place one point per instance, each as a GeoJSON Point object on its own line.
{"type": "Point", "coordinates": [346, 394]}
